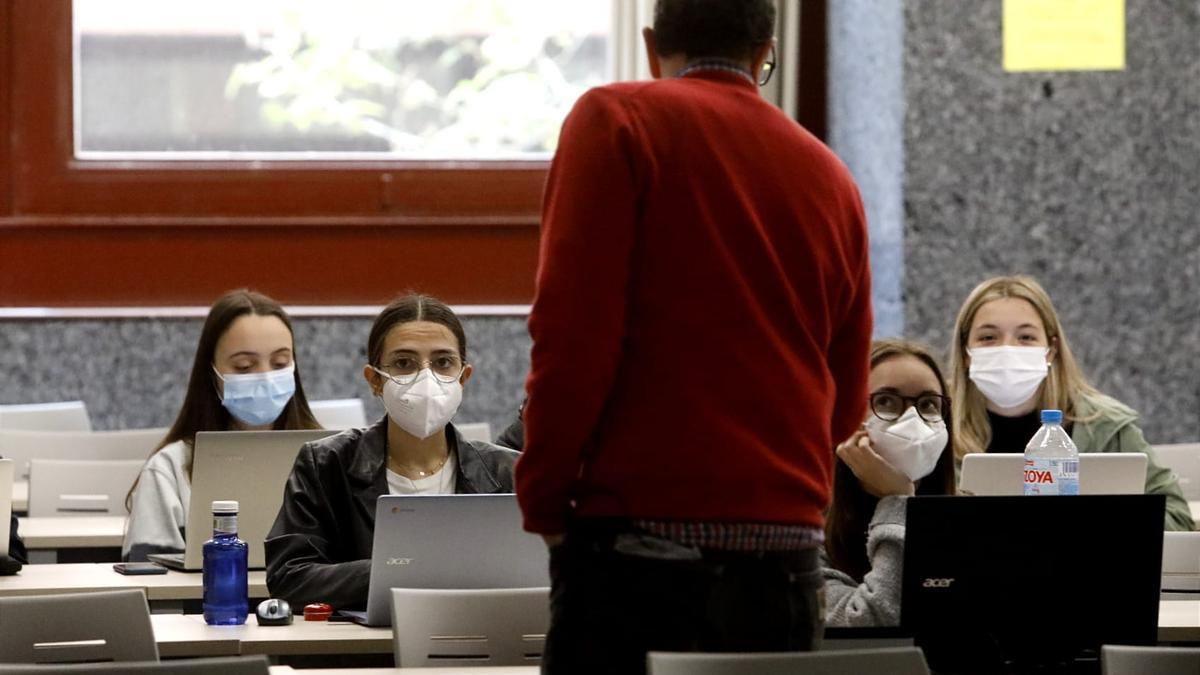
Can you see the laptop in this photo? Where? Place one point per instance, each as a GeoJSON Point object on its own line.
{"type": "Point", "coordinates": [449, 541]}
{"type": "Point", "coordinates": [1018, 582]}
{"type": "Point", "coordinates": [251, 467]}
{"type": "Point", "coordinates": [6, 486]}
{"type": "Point", "coordinates": [1100, 473]}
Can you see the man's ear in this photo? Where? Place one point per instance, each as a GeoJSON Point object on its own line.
{"type": "Point", "coordinates": [652, 53]}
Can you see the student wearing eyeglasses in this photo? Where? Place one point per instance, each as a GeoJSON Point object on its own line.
{"type": "Point", "coordinates": [903, 448]}
{"type": "Point", "coordinates": [319, 548]}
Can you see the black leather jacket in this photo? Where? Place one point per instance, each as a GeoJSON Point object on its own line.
{"type": "Point", "coordinates": [319, 549]}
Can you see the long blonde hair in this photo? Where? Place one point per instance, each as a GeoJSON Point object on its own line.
{"type": "Point", "coordinates": [1064, 386]}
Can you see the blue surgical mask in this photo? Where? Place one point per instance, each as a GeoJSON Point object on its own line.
{"type": "Point", "coordinates": [256, 399]}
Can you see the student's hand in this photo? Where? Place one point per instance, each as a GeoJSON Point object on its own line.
{"type": "Point", "coordinates": [553, 540]}
{"type": "Point", "coordinates": [877, 477]}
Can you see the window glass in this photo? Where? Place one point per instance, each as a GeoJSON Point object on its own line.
{"type": "Point", "coordinates": [387, 79]}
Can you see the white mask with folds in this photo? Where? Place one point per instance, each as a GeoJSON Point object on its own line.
{"type": "Point", "coordinates": [1008, 376]}
{"type": "Point", "coordinates": [910, 444]}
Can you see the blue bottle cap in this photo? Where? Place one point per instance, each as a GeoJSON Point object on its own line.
{"type": "Point", "coordinates": [1051, 417]}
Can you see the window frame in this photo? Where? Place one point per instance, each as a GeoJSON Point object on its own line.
{"type": "Point", "coordinates": [350, 232]}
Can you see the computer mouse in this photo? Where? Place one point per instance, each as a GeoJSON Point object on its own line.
{"type": "Point", "coordinates": [274, 612]}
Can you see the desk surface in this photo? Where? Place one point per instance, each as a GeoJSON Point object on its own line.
{"type": "Point", "coordinates": [472, 670]}
{"type": "Point", "coordinates": [188, 635]}
{"type": "Point", "coordinates": [82, 577]}
{"type": "Point", "coordinates": [72, 532]}
{"type": "Point", "coordinates": [181, 635]}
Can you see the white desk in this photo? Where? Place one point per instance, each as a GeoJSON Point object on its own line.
{"type": "Point", "coordinates": [183, 635]}
{"type": "Point", "coordinates": [72, 532]}
{"type": "Point", "coordinates": [463, 670]}
{"type": "Point", "coordinates": [84, 577]}
{"type": "Point", "coordinates": [20, 496]}
{"type": "Point", "coordinates": [187, 635]}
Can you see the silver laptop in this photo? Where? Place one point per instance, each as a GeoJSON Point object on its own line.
{"type": "Point", "coordinates": [6, 486]}
{"type": "Point", "coordinates": [1100, 473]}
{"type": "Point", "coordinates": [251, 467]}
{"type": "Point", "coordinates": [449, 541]}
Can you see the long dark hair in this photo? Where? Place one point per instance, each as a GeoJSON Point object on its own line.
{"type": "Point", "coordinates": [852, 507]}
{"type": "Point", "coordinates": [202, 409]}
{"type": "Point", "coordinates": [409, 308]}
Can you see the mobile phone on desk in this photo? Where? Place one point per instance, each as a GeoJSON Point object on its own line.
{"type": "Point", "coordinates": [133, 568]}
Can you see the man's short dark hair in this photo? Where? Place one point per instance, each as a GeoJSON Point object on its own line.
{"type": "Point", "coordinates": [729, 29]}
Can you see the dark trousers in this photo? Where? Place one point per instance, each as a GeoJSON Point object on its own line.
{"type": "Point", "coordinates": [617, 595]}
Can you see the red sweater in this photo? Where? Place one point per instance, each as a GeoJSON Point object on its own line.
{"type": "Point", "coordinates": [702, 318]}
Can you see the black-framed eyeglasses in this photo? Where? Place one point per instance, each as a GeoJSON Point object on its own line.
{"type": "Point", "coordinates": [768, 67]}
{"type": "Point", "coordinates": [889, 406]}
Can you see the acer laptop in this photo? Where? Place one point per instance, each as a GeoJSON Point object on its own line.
{"type": "Point", "coordinates": [251, 467]}
{"type": "Point", "coordinates": [1100, 473]}
{"type": "Point", "coordinates": [6, 486]}
{"type": "Point", "coordinates": [997, 584]}
{"type": "Point", "coordinates": [449, 541]}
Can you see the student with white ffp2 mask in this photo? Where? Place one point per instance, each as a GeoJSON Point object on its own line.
{"type": "Point", "coordinates": [1010, 359]}
{"type": "Point", "coordinates": [319, 548]}
{"type": "Point", "coordinates": [904, 448]}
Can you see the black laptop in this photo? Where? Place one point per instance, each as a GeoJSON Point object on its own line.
{"type": "Point", "coordinates": [1009, 584]}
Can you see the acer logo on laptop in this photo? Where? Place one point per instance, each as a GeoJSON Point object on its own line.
{"type": "Point", "coordinates": [937, 583]}
{"type": "Point", "coordinates": [399, 561]}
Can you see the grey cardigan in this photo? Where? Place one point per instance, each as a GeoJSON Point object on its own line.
{"type": "Point", "coordinates": [876, 601]}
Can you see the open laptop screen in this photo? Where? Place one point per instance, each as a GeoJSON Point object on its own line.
{"type": "Point", "coordinates": [1030, 580]}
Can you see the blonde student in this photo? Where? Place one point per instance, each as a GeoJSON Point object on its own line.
{"type": "Point", "coordinates": [904, 448]}
{"type": "Point", "coordinates": [244, 377]}
{"type": "Point", "coordinates": [1010, 358]}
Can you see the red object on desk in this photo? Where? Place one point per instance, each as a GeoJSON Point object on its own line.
{"type": "Point", "coordinates": [317, 611]}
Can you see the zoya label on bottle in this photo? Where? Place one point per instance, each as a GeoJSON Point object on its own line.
{"type": "Point", "coordinates": [1051, 476]}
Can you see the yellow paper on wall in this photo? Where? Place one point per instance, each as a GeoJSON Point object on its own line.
{"type": "Point", "coordinates": [1064, 35]}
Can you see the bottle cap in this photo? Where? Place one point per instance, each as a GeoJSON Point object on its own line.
{"type": "Point", "coordinates": [222, 506]}
{"type": "Point", "coordinates": [1051, 417]}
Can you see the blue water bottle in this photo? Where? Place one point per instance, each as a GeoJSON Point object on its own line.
{"type": "Point", "coordinates": [226, 594]}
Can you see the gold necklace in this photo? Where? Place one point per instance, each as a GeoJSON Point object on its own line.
{"type": "Point", "coordinates": [420, 473]}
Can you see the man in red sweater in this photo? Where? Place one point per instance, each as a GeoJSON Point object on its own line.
{"type": "Point", "coordinates": [700, 338]}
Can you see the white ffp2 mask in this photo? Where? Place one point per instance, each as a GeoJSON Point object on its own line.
{"type": "Point", "coordinates": [1008, 376]}
{"type": "Point", "coordinates": [424, 407]}
{"type": "Point", "coordinates": [910, 444]}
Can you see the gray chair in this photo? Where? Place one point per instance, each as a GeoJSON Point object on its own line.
{"type": "Point", "coordinates": [64, 416]}
{"type": "Point", "coordinates": [1184, 460]}
{"type": "Point", "coordinates": [80, 487]}
{"type": "Point", "coordinates": [225, 665]}
{"type": "Point", "coordinates": [896, 661]}
{"type": "Point", "coordinates": [476, 627]}
{"type": "Point", "coordinates": [1123, 660]}
{"type": "Point", "coordinates": [339, 413]}
{"type": "Point", "coordinates": [77, 628]}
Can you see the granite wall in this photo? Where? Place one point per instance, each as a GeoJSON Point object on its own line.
{"type": "Point", "coordinates": [132, 372]}
{"type": "Point", "coordinates": [1090, 181]}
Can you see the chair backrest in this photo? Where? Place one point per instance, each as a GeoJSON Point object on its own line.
{"type": "Point", "coordinates": [478, 627]}
{"type": "Point", "coordinates": [339, 413]}
{"type": "Point", "coordinates": [80, 487]}
{"type": "Point", "coordinates": [77, 628]}
{"type": "Point", "coordinates": [894, 661]}
{"type": "Point", "coordinates": [1184, 460]}
{"type": "Point", "coordinates": [65, 416]}
{"type": "Point", "coordinates": [22, 446]}
{"type": "Point", "coordinates": [1181, 553]}
{"type": "Point", "coordinates": [224, 665]}
{"type": "Point", "coordinates": [1123, 660]}
{"type": "Point", "coordinates": [475, 431]}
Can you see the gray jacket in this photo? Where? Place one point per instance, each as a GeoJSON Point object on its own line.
{"type": "Point", "coordinates": [876, 601]}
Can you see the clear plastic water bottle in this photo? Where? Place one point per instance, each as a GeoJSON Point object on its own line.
{"type": "Point", "coordinates": [226, 596]}
{"type": "Point", "coordinates": [1051, 459]}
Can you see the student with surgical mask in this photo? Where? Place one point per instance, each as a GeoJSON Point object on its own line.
{"type": "Point", "coordinates": [320, 546]}
{"type": "Point", "coordinates": [1010, 359]}
{"type": "Point", "coordinates": [904, 448]}
{"type": "Point", "coordinates": [244, 377]}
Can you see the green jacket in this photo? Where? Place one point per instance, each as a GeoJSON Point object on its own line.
{"type": "Point", "coordinates": [1108, 426]}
